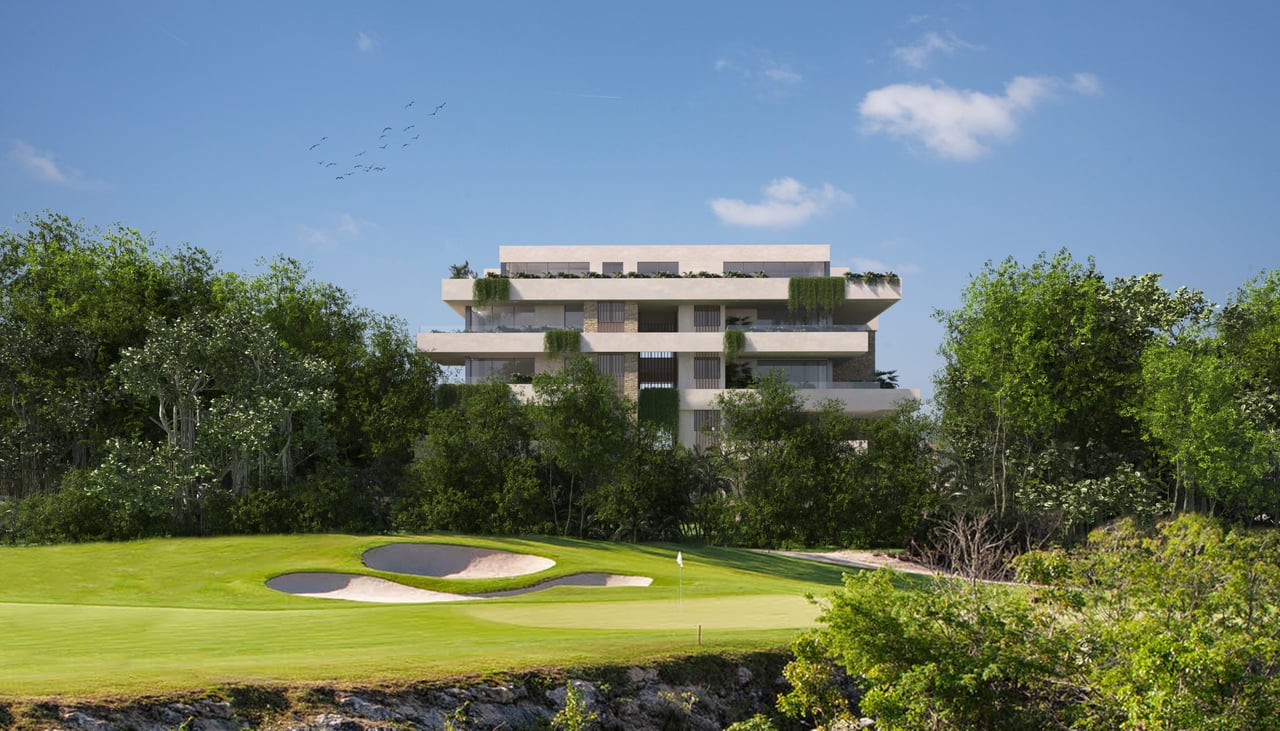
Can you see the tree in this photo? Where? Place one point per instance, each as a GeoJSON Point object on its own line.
{"type": "Point", "coordinates": [475, 472]}
{"type": "Point", "coordinates": [1042, 371]}
{"type": "Point", "coordinates": [580, 426]}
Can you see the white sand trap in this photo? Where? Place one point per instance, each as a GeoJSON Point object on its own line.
{"type": "Point", "coordinates": [446, 561]}
{"type": "Point", "coordinates": [587, 579]}
{"type": "Point", "coordinates": [357, 588]}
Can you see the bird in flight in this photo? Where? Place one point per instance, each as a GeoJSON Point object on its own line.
{"type": "Point", "coordinates": [358, 154]}
{"type": "Point", "coordinates": [313, 147]}
{"type": "Point", "coordinates": [338, 178]}
{"type": "Point", "coordinates": [415, 137]}
{"type": "Point", "coordinates": [330, 164]}
{"type": "Point", "coordinates": [408, 105]}
{"type": "Point", "coordinates": [386, 129]}
{"type": "Point", "coordinates": [382, 147]}
{"type": "Point", "coordinates": [406, 129]}
{"type": "Point", "coordinates": [404, 145]}
{"type": "Point", "coordinates": [436, 111]}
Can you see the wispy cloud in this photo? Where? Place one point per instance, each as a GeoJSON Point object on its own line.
{"type": "Point", "coordinates": [786, 203]}
{"type": "Point", "coordinates": [581, 95]}
{"type": "Point", "coordinates": [368, 42]}
{"type": "Point", "coordinates": [38, 164]}
{"type": "Point", "coordinates": [917, 55]}
{"type": "Point", "coordinates": [1087, 84]}
{"type": "Point", "coordinates": [958, 124]}
{"type": "Point", "coordinates": [328, 238]}
{"type": "Point", "coordinates": [770, 75]}
{"type": "Point", "coordinates": [41, 165]}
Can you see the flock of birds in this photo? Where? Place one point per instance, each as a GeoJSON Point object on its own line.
{"type": "Point", "coordinates": [389, 140]}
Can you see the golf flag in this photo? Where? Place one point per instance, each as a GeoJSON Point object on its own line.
{"type": "Point", "coordinates": [679, 559]}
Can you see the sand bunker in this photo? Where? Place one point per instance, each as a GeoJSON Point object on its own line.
{"type": "Point", "coordinates": [445, 561]}
{"type": "Point", "coordinates": [357, 588]}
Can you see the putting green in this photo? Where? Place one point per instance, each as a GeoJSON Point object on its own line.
{"type": "Point", "coordinates": [159, 615]}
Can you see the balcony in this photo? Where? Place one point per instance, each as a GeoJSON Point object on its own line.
{"type": "Point", "coordinates": [861, 398]}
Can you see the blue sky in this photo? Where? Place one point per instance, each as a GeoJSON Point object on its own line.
{"type": "Point", "coordinates": [923, 138]}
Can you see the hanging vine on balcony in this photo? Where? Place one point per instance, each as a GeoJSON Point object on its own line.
{"type": "Point", "coordinates": [660, 406]}
{"type": "Point", "coordinates": [735, 341]}
{"type": "Point", "coordinates": [555, 342]}
{"type": "Point", "coordinates": [815, 294]}
{"type": "Point", "coordinates": [490, 289]}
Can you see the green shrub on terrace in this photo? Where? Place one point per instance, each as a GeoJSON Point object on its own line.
{"type": "Point", "coordinates": [490, 289]}
{"type": "Point", "coordinates": [815, 294]}
{"type": "Point", "coordinates": [555, 342]}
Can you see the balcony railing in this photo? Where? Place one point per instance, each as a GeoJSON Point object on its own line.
{"type": "Point", "coordinates": [799, 327]}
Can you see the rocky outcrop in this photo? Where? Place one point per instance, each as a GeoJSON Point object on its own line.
{"type": "Point", "coordinates": [697, 692]}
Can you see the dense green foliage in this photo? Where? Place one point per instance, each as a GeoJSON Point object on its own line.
{"type": "Point", "coordinates": [735, 341]}
{"type": "Point", "coordinates": [1136, 630]}
{"type": "Point", "coordinates": [660, 407]}
{"type": "Point", "coordinates": [815, 294]}
{"type": "Point", "coordinates": [490, 289]}
{"type": "Point", "coordinates": [149, 393]}
{"type": "Point", "coordinates": [556, 342]}
{"type": "Point", "coordinates": [1067, 400]}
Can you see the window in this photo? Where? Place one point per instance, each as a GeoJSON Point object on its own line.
{"type": "Point", "coordinates": [706, 318]}
{"type": "Point", "coordinates": [611, 317]}
{"type": "Point", "coordinates": [495, 318]}
{"type": "Point", "coordinates": [507, 370]}
{"type": "Point", "coordinates": [706, 370]}
{"type": "Point", "coordinates": [545, 268]}
{"type": "Point", "coordinates": [780, 268]}
{"type": "Point", "coordinates": [613, 364]}
{"type": "Point", "coordinates": [573, 316]}
{"type": "Point", "coordinates": [706, 429]}
{"type": "Point", "coordinates": [657, 267]}
{"type": "Point", "coordinates": [799, 373]}
{"type": "Point", "coordinates": [657, 370]}
{"type": "Point", "coordinates": [611, 267]}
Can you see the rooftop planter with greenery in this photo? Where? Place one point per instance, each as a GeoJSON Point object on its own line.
{"type": "Point", "coordinates": [873, 277]}
{"type": "Point", "coordinates": [490, 289]}
{"type": "Point", "coordinates": [815, 294]}
{"type": "Point", "coordinates": [555, 342]}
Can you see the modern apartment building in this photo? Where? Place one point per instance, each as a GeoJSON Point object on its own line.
{"type": "Point", "coordinates": [656, 317]}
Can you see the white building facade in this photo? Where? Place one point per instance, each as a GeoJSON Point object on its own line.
{"type": "Point", "coordinates": [656, 317]}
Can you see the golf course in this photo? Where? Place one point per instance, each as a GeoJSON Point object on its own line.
{"type": "Point", "coordinates": [165, 615]}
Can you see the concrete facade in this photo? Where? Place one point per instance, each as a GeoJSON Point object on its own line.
{"type": "Point", "coordinates": [668, 306]}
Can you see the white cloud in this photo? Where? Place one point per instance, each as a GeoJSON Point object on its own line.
{"type": "Point", "coordinates": [1087, 84]}
{"type": "Point", "coordinates": [762, 69]}
{"type": "Point", "coordinates": [367, 42]}
{"type": "Point", "coordinates": [949, 122]}
{"type": "Point", "coordinates": [918, 54]}
{"type": "Point", "coordinates": [329, 237]}
{"type": "Point", "coordinates": [783, 76]}
{"type": "Point", "coordinates": [38, 164]}
{"type": "Point", "coordinates": [786, 203]}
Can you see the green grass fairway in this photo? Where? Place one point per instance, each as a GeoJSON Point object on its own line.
{"type": "Point", "coordinates": [162, 615]}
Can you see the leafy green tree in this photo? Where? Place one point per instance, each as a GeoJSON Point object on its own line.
{"type": "Point", "coordinates": [73, 298]}
{"type": "Point", "coordinates": [1043, 368]}
{"type": "Point", "coordinates": [580, 427]}
{"type": "Point", "coordinates": [475, 470]}
{"type": "Point", "coordinates": [781, 462]}
{"type": "Point", "coordinates": [647, 497]}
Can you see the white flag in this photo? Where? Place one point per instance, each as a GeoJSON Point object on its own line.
{"type": "Point", "coordinates": [679, 559]}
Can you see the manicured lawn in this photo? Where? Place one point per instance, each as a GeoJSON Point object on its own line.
{"type": "Point", "coordinates": [161, 615]}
